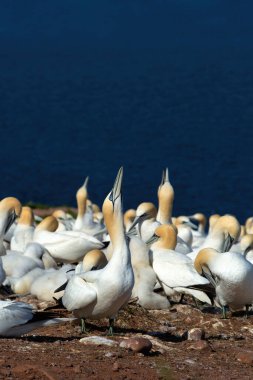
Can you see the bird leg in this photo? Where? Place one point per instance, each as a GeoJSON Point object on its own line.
{"type": "Point", "coordinates": [83, 327]}
{"type": "Point", "coordinates": [247, 311]}
{"type": "Point", "coordinates": [111, 324]}
{"type": "Point", "coordinates": [224, 312]}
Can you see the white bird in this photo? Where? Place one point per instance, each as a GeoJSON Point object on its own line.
{"type": "Point", "coordinates": [101, 293]}
{"type": "Point", "coordinates": [224, 233]}
{"type": "Point", "coordinates": [85, 216]}
{"type": "Point", "coordinates": [145, 221]}
{"type": "Point", "coordinates": [198, 224]}
{"type": "Point", "coordinates": [10, 209]}
{"type": "Point", "coordinates": [64, 246]}
{"type": "Point", "coordinates": [246, 245]}
{"type": "Point", "coordinates": [23, 233]}
{"type": "Point", "coordinates": [18, 318]}
{"type": "Point", "coordinates": [174, 270]}
{"type": "Point", "coordinates": [16, 264]}
{"type": "Point", "coordinates": [44, 285]}
{"type": "Point", "coordinates": [145, 277]}
{"type": "Point", "coordinates": [65, 220]}
{"type": "Point", "coordinates": [230, 274]}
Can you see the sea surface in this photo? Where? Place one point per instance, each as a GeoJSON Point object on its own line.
{"type": "Point", "coordinates": [70, 109]}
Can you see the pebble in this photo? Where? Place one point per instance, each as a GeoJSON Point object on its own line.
{"type": "Point", "coordinates": [199, 345]}
{"type": "Point", "coordinates": [142, 345]}
{"type": "Point", "coordinates": [115, 367]}
{"type": "Point", "coordinates": [195, 334]}
{"type": "Point", "coordinates": [98, 340]}
{"type": "Point", "coordinates": [245, 357]}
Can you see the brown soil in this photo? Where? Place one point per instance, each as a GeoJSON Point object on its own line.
{"type": "Point", "coordinates": [55, 352]}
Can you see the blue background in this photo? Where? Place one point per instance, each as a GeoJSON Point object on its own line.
{"type": "Point", "coordinates": [88, 86]}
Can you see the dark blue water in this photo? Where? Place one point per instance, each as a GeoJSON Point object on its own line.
{"type": "Point", "coordinates": [85, 88]}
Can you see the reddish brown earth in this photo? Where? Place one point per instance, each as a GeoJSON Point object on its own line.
{"type": "Point", "coordinates": [56, 352]}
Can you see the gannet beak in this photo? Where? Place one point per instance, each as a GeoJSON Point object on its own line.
{"type": "Point", "coordinates": [137, 219]}
{"type": "Point", "coordinates": [116, 191]}
{"type": "Point", "coordinates": [152, 240]}
{"type": "Point", "coordinates": [163, 179]}
{"type": "Point", "coordinates": [166, 175]}
{"type": "Point", "coordinates": [85, 184]}
{"type": "Point", "coordinates": [193, 223]}
{"type": "Point", "coordinates": [228, 243]}
{"type": "Point", "coordinates": [11, 219]}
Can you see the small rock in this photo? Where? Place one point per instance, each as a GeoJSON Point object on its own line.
{"type": "Point", "coordinates": [245, 357]}
{"type": "Point", "coordinates": [142, 345]}
{"type": "Point", "coordinates": [115, 367]}
{"type": "Point", "coordinates": [98, 340]}
{"type": "Point", "coordinates": [199, 345]}
{"type": "Point", "coordinates": [195, 334]}
{"type": "Point", "coordinates": [184, 309]}
{"type": "Point", "coordinates": [77, 369]}
{"type": "Point", "coordinates": [217, 325]}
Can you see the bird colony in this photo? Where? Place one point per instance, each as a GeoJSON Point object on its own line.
{"type": "Point", "coordinates": [96, 263]}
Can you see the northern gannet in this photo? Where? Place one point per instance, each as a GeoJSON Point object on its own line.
{"type": "Point", "coordinates": [230, 274]}
{"type": "Point", "coordinates": [174, 270]}
{"type": "Point", "coordinates": [101, 293]}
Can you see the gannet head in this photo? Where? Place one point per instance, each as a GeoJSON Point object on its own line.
{"type": "Point", "coordinates": [165, 236]}
{"type": "Point", "coordinates": [198, 219]}
{"type": "Point", "coordinates": [246, 243]}
{"type": "Point", "coordinates": [129, 217]}
{"type": "Point", "coordinates": [204, 258]}
{"type": "Point", "coordinates": [81, 197]}
{"type": "Point", "coordinates": [10, 207]}
{"type": "Point", "coordinates": [26, 217]}
{"type": "Point", "coordinates": [184, 221]}
{"type": "Point", "coordinates": [59, 214]}
{"type": "Point", "coordinates": [50, 223]}
{"type": "Point", "coordinates": [165, 190]}
{"type": "Point", "coordinates": [249, 225]}
{"type": "Point", "coordinates": [212, 220]}
{"type": "Point", "coordinates": [93, 260]}
{"type": "Point", "coordinates": [145, 210]}
{"type": "Point", "coordinates": [113, 203]}
{"type": "Point", "coordinates": [229, 226]}
{"type": "Point", "coordinates": [95, 208]}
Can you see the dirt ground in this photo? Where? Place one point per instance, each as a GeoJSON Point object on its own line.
{"type": "Point", "coordinates": [55, 352]}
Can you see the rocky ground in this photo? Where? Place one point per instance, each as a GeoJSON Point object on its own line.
{"type": "Point", "coordinates": [220, 349]}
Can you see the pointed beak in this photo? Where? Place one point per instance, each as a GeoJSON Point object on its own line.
{"type": "Point", "coordinates": [152, 240]}
{"type": "Point", "coordinates": [116, 191]}
{"type": "Point", "coordinates": [193, 223]}
{"type": "Point", "coordinates": [166, 175]}
{"type": "Point", "coordinates": [163, 179]}
{"type": "Point", "coordinates": [137, 220]}
{"type": "Point", "coordinates": [86, 182]}
{"type": "Point", "coordinates": [11, 219]}
{"type": "Point", "coordinates": [228, 243]}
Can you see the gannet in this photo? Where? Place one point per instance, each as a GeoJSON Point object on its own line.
{"type": "Point", "coordinates": [101, 293]}
{"type": "Point", "coordinates": [64, 246]}
{"type": "Point", "coordinates": [230, 274]}
{"type": "Point", "coordinates": [224, 233]}
{"type": "Point", "coordinates": [174, 270]}
{"type": "Point", "coordinates": [23, 233]}
{"type": "Point", "coordinates": [145, 277]}
{"type": "Point", "coordinates": [10, 209]}
{"type": "Point", "coordinates": [18, 318]}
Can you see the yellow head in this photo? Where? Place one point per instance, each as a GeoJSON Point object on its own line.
{"type": "Point", "coordinates": [204, 258]}
{"type": "Point", "coordinates": [50, 224]}
{"type": "Point", "coordinates": [26, 216]}
{"type": "Point", "coordinates": [167, 237]}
